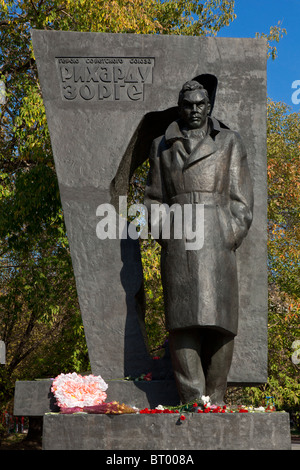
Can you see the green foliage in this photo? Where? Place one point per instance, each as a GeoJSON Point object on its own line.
{"type": "Point", "coordinates": [194, 18]}
{"type": "Point", "coordinates": [283, 149]}
{"type": "Point", "coordinates": [154, 318]}
{"type": "Point", "coordinates": [284, 198]}
{"type": "Point", "coordinates": [283, 252]}
{"type": "Point", "coordinates": [274, 36]}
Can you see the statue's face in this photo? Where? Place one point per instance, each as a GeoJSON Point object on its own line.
{"type": "Point", "coordinates": [194, 109]}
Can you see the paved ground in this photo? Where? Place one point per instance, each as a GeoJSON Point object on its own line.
{"type": "Point", "coordinates": [295, 443]}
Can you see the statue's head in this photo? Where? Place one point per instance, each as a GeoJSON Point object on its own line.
{"type": "Point", "coordinates": [194, 105]}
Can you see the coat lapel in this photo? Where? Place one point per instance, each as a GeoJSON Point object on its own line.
{"type": "Point", "coordinates": [203, 149]}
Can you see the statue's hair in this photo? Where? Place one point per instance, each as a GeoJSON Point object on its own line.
{"type": "Point", "coordinates": [190, 86]}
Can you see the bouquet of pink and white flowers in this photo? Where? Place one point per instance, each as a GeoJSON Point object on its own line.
{"type": "Point", "coordinates": [77, 391]}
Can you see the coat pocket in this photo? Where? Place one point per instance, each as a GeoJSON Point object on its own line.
{"type": "Point", "coordinates": [226, 229]}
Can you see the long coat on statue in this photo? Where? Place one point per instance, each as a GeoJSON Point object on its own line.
{"type": "Point", "coordinates": [201, 286]}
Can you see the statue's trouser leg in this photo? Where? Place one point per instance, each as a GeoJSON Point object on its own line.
{"type": "Point", "coordinates": [201, 360]}
{"type": "Point", "coordinates": [187, 367]}
{"type": "Point", "coordinates": [217, 350]}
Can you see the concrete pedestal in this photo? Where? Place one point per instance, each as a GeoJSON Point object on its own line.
{"type": "Point", "coordinates": [236, 431]}
{"type": "Point", "coordinates": [34, 398]}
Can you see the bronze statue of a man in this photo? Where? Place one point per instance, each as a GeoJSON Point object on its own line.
{"type": "Point", "coordinates": [200, 161]}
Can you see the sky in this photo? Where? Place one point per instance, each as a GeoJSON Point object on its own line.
{"type": "Point", "coordinates": [257, 16]}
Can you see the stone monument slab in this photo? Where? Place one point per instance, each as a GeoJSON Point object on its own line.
{"type": "Point", "coordinates": [107, 96]}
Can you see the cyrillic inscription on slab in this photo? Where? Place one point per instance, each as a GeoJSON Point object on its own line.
{"type": "Point", "coordinates": [104, 78]}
